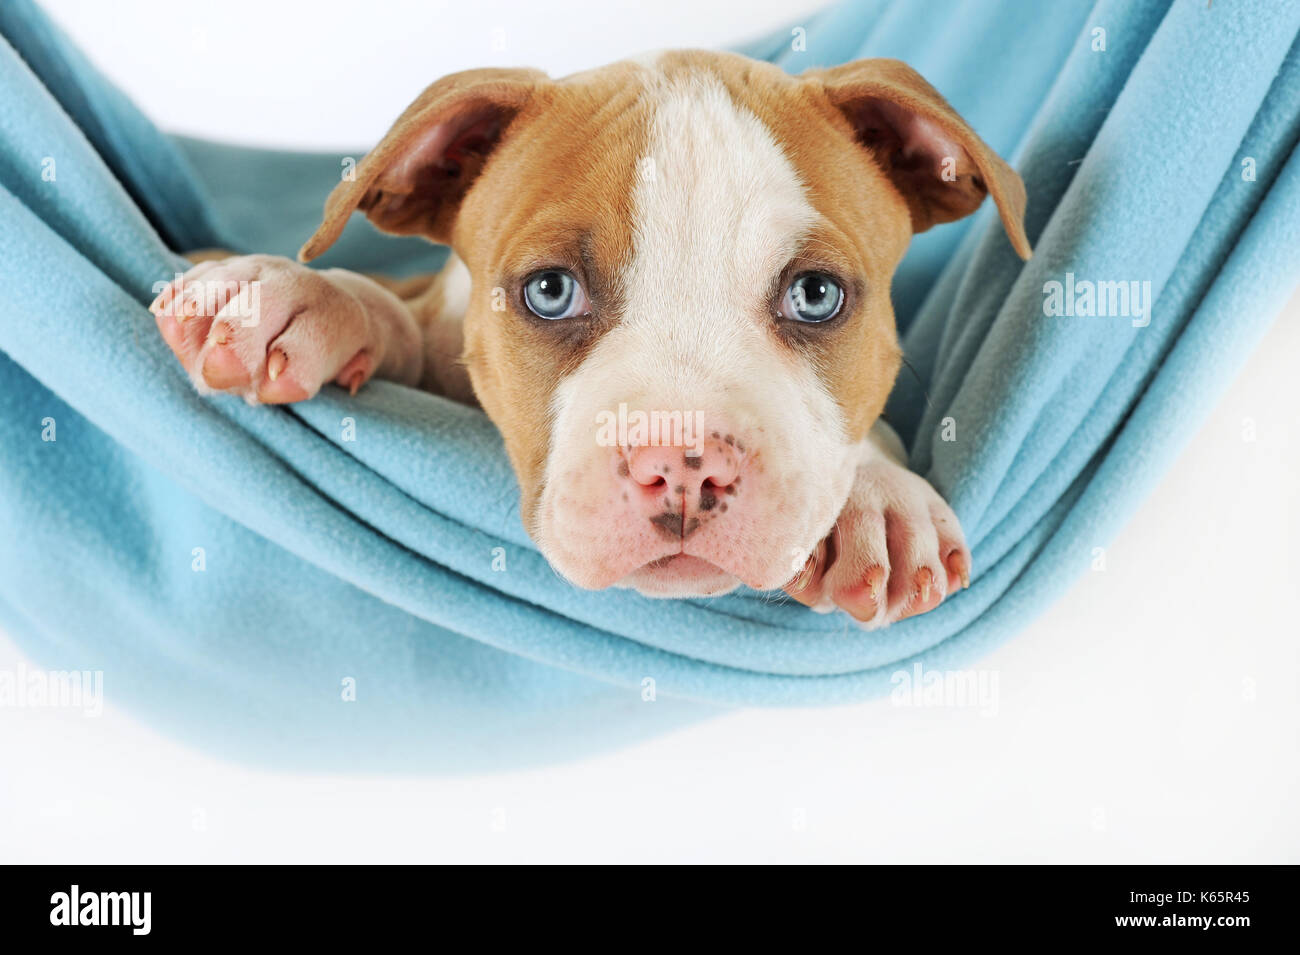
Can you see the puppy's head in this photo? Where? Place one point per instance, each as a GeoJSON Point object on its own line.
{"type": "Point", "coordinates": [680, 269]}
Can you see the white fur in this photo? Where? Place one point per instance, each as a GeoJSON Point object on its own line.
{"type": "Point", "coordinates": [455, 289]}
{"type": "Point", "coordinates": [720, 211]}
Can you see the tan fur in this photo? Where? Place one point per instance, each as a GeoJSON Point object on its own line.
{"type": "Point", "coordinates": [565, 208]}
{"type": "Point", "coordinates": [856, 86]}
{"type": "Point", "coordinates": [395, 196]}
{"type": "Point", "coordinates": [519, 173]}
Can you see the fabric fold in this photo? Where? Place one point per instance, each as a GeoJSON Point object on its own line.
{"type": "Point", "coordinates": [237, 572]}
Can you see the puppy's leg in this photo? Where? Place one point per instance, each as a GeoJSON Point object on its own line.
{"type": "Point", "coordinates": [896, 550]}
{"type": "Point", "coordinates": [273, 331]}
{"type": "Point", "coordinates": [439, 306]}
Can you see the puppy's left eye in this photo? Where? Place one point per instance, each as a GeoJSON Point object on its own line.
{"type": "Point", "coordinates": [553, 294]}
{"type": "Point", "coordinates": [812, 297]}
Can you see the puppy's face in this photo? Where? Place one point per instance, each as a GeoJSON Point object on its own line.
{"type": "Point", "coordinates": [679, 312]}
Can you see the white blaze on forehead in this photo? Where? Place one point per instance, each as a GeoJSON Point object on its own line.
{"type": "Point", "coordinates": [719, 211]}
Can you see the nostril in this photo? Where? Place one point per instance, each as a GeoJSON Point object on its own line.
{"type": "Point", "coordinates": [648, 467]}
{"type": "Point", "coordinates": [712, 491]}
{"type": "Point", "coordinates": [721, 478]}
{"type": "Point", "coordinates": [706, 477]}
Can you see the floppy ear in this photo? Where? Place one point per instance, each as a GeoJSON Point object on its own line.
{"type": "Point", "coordinates": [936, 161]}
{"type": "Point", "coordinates": [414, 180]}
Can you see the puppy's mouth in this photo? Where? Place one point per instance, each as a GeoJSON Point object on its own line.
{"type": "Point", "coordinates": [680, 575]}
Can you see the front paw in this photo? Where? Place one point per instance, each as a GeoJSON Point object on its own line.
{"type": "Point", "coordinates": [896, 550]}
{"type": "Point", "coordinates": [267, 329]}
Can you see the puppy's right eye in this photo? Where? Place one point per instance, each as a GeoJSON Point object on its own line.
{"type": "Point", "coordinates": [812, 298]}
{"type": "Point", "coordinates": [553, 294]}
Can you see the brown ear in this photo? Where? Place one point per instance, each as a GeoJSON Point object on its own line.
{"type": "Point", "coordinates": [940, 166]}
{"type": "Point", "coordinates": [414, 180]}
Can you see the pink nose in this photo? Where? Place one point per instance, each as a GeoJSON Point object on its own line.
{"type": "Point", "coordinates": [683, 471]}
{"type": "Point", "coordinates": [679, 491]}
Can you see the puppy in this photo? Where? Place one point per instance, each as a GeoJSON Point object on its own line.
{"type": "Point", "coordinates": [670, 291]}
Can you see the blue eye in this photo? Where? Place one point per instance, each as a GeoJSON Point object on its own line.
{"type": "Point", "coordinates": [553, 294]}
{"type": "Point", "coordinates": [812, 297]}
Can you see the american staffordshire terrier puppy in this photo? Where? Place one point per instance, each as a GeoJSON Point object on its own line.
{"type": "Point", "coordinates": [670, 291]}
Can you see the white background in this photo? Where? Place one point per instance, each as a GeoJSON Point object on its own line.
{"type": "Point", "coordinates": [1152, 715]}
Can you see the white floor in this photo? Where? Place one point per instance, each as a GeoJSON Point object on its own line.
{"type": "Point", "coordinates": [1152, 715]}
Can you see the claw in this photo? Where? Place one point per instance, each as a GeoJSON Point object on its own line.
{"type": "Point", "coordinates": [275, 364]}
{"type": "Point", "coordinates": [864, 598]}
{"type": "Point", "coordinates": [959, 564]}
{"type": "Point", "coordinates": [876, 580]}
{"type": "Point", "coordinates": [805, 587]}
{"type": "Point", "coordinates": [356, 372]}
{"type": "Point", "coordinates": [801, 580]}
{"type": "Point", "coordinates": [222, 369]}
{"type": "Point", "coordinates": [189, 310]}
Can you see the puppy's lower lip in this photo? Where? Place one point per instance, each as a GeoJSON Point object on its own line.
{"type": "Point", "coordinates": [682, 563]}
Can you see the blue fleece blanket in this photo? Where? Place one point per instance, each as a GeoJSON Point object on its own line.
{"type": "Point", "coordinates": [328, 585]}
